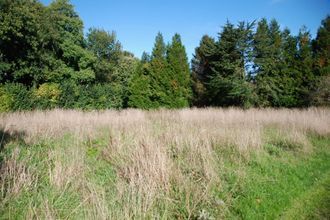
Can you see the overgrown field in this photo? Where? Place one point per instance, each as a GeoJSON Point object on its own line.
{"type": "Point", "coordinates": [166, 164]}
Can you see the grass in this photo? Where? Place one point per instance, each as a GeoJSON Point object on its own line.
{"type": "Point", "coordinates": [165, 164]}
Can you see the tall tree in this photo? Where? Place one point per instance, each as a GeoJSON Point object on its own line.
{"type": "Point", "coordinates": [267, 62]}
{"type": "Point", "coordinates": [220, 67]}
{"type": "Point", "coordinates": [108, 51]}
{"type": "Point", "coordinates": [201, 70]}
{"type": "Point", "coordinates": [21, 41]}
{"type": "Point", "coordinates": [139, 90]}
{"type": "Point", "coordinates": [180, 81]}
{"type": "Point", "coordinates": [70, 45]}
{"type": "Point", "coordinates": [322, 48]}
{"type": "Point", "coordinates": [306, 72]}
{"type": "Point", "coordinates": [321, 94]}
{"type": "Point", "coordinates": [289, 71]}
{"type": "Point", "coordinates": [160, 75]}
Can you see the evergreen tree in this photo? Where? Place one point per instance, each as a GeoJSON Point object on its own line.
{"type": "Point", "coordinates": [220, 67]}
{"type": "Point", "coordinates": [180, 82]}
{"type": "Point", "coordinates": [290, 75]}
{"type": "Point", "coordinates": [139, 91]}
{"type": "Point", "coordinates": [304, 64]}
{"type": "Point", "coordinates": [160, 75]}
{"type": "Point", "coordinates": [321, 92]}
{"type": "Point", "coordinates": [267, 62]}
{"type": "Point", "coordinates": [201, 70]}
{"type": "Point", "coordinates": [321, 48]}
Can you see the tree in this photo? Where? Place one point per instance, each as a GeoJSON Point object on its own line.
{"type": "Point", "coordinates": [306, 72]}
{"type": "Point", "coordinates": [67, 22]}
{"type": "Point", "coordinates": [139, 92]}
{"type": "Point", "coordinates": [321, 48]}
{"type": "Point", "coordinates": [160, 75]}
{"type": "Point", "coordinates": [180, 82]}
{"type": "Point", "coordinates": [267, 63]}
{"type": "Point", "coordinates": [289, 71]}
{"type": "Point", "coordinates": [201, 70]}
{"type": "Point", "coordinates": [69, 42]}
{"type": "Point", "coordinates": [220, 67]}
{"type": "Point", "coordinates": [21, 41]}
{"type": "Point", "coordinates": [322, 64]}
{"type": "Point", "coordinates": [107, 49]}
{"type": "Point", "coordinates": [122, 75]}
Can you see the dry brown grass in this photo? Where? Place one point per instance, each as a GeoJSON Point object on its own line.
{"type": "Point", "coordinates": [154, 152]}
{"type": "Point", "coordinates": [15, 175]}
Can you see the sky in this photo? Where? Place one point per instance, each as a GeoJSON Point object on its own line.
{"type": "Point", "coordinates": [136, 22]}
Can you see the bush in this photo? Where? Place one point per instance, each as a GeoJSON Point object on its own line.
{"type": "Point", "coordinates": [15, 97]}
{"type": "Point", "coordinates": [99, 96]}
{"type": "Point", "coordinates": [69, 95]}
{"type": "Point", "coordinates": [6, 100]}
{"type": "Point", "coordinates": [47, 96]}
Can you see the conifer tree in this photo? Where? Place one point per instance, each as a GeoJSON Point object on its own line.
{"type": "Point", "coordinates": [306, 79]}
{"type": "Point", "coordinates": [267, 57]}
{"type": "Point", "coordinates": [321, 48]}
{"type": "Point", "coordinates": [201, 70]}
{"type": "Point", "coordinates": [139, 91]}
{"type": "Point", "coordinates": [321, 92]}
{"type": "Point", "coordinates": [160, 75]}
{"type": "Point", "coordinates": [180, 82]}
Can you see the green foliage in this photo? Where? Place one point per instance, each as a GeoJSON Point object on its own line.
{"type": "Point", "coordinates": [66, 21]}
{"type": "Point", "coordinates": [219, 68]}
{"type": "Point", "coordinates": [99, 96]}
{"type": "Point", "coordinates": [122, 75]}
{"type": "Point", "coordinates": [103, 44]}
{"type": "Point", "coordinates": [69, 94]}
{"type": "Point", "coordinates": [47, 96]}
{"type": "Point", "coordinates": [320, 92]}
{"type": "Point", "coordinates": [283, 68]}
{"type": "Point", "coordinates": [201, 70]}
{"type": "Point", "coordinates": [321, 96]}
{"type": "Point", "coordinates": [6, 100]}
{"type": "Point", "coordinates": [180, 82]}
{"type": "Point", "coordinates": [15, 97]}
{"type": "Point", "coordinates": [107, 49]}
{"type": "Point", "coordinates": [22, 34]}
{"type": "Point", "coordinates": [160, 75]}
{"type": "Point", "coordinates": [140, 89]}
{"type": "Point", "coordinates": [321, 47]}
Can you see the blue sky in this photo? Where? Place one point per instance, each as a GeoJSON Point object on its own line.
{"type": "Point", "coordinates": [137, 22]}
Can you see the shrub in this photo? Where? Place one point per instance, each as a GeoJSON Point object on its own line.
{"type": "Point", "coordinates": [69, 95]}
{"type": "Point", "coordinates": [15, 97]}
{"type": "Point", "coordinates": [6, 100]}
{"type": "Point", "coordinates": [47, 96]}
{"type": "Point", "coordinates": [99, 96]}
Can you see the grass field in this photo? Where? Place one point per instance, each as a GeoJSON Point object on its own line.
{"type": "Point", "coordinates": [166, 164]}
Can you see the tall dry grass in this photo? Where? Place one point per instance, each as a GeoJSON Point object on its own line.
{"type": "Point", "coordinates": [166, 155]}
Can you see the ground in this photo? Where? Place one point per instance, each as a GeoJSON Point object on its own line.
{"type": "Point", "coordinates": [166, 164]}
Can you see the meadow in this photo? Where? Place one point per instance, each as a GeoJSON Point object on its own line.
{"type": "Point", "coordinates": [208, 163]}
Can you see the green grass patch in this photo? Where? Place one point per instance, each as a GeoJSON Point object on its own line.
{"type": "Point", "coordinates": [273, 181]}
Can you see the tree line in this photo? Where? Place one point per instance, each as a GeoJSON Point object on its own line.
{"type": "Point", "coordinates": [46, 62]}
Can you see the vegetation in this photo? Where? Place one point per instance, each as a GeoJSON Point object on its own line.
{"type": "Point", "coordinates": [245, 161]}
{"type": "Point", "coordinates": [46, 62]}
{"type": "Point", "coordinates": [165, 164]}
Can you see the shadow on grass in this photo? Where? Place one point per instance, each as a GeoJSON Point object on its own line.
{"type": "Point", "coordinates": [9, 136]}
{"type": "Point", "coordinates": [6, 137]}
